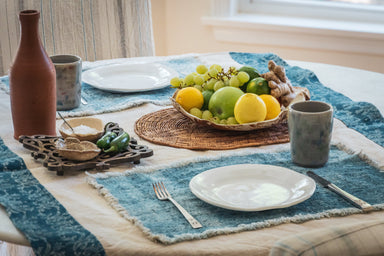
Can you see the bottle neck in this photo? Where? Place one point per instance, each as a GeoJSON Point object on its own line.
{"type": "Point", "coordinates": [29, 29]}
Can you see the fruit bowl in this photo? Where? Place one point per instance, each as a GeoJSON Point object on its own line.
{"type": "Point", "coordinates": [281, 118]}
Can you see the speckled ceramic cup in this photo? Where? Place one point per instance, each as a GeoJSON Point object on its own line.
{"type": "Point", "coordinates": [310, 131]}
{"type": "Point", "coordinates": [68, 81]}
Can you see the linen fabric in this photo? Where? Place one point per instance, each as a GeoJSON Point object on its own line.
{"type": "Point", "coordinates": [121, 237]}
{"type": "Point", "coordinates": [351, 239]}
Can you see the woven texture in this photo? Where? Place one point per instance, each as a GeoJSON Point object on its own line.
{"type": "Point", "coordinates": [169, 127]}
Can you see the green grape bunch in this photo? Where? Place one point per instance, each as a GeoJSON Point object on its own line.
{"type": "Point", "coordinates": [212, 78]}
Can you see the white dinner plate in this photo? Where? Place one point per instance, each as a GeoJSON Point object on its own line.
{"type": "Point", "coordinates": [252, 187]}
{"type": "Point", "coordinates": [129, 77]}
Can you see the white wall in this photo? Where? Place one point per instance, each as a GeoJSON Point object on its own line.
{"type": "Point", "coordinates": [178, 29]}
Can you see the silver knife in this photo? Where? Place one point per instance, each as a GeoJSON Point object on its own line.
{"type": "Point", "coordinates": [366, 207]}
{"type": "Point", "coordinates": [83, 101]}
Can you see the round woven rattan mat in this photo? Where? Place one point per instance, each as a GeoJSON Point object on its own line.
{"type": "Point", "coordinates": [169, 127]}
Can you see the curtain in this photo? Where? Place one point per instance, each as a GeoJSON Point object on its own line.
{"type": "Point", "coordinates": [91, 29]}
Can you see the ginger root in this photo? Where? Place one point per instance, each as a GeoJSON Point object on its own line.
{"type": "Point", "coordinates": [281, 87]}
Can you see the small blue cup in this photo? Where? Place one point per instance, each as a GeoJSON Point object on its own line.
{"type": "Point", "coordinates": [68, 81]}
{"type": "Point", "coordinates": [310, 130]}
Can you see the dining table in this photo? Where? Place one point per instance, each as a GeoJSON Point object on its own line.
{"type": "Point", "coordinates": [113, 210]}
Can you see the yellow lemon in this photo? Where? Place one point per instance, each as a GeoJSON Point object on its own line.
{"type": "Point", "coordinates": [273, 106]}
{"type": "Point", "coordinates": [250, 108]}
{"type": "Point", "coordinates": [190, 97]}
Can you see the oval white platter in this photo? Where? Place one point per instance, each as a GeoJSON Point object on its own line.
{"type": "Point", "coordinates": [129, 77]}
{"type": "Point", "coordinates": [252, 187]}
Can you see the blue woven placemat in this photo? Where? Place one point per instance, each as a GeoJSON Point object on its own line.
{"type": "Point", "coordinates": [132, 195]}
{"type": "Point", "coordinates": [47, 225]}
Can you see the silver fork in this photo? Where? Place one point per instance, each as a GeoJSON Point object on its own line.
{"type": "Point", "coordinates": [162, 194]}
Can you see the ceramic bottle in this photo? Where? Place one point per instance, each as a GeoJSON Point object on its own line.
{"type": "Point", "coordinates": [32, 82]}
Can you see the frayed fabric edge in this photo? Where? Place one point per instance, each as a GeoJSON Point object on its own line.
{"type": "Point", "coordinates": [115, 109]}
{"type": "Point", "coordinates": [149, 169]}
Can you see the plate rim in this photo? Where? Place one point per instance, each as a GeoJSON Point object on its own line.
{"type": "Point", "coordinates": [87, 80]}
{"type": "Point", "coordinates": [199, 195]}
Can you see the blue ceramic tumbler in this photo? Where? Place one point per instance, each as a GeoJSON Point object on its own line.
{"type": "Point", "coordinates": [310, 130]}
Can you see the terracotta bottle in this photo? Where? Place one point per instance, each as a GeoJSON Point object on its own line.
{"type": "Point", "coordinates": [32, 82]}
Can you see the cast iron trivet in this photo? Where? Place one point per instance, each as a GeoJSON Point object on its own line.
{"type": "Point", "coordinates": [43, 147]}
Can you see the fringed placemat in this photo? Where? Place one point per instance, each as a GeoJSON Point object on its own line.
{"type": "Point", "coordinates": [169, 127]}
{"type": "Point", "coordinates": [131, 195]}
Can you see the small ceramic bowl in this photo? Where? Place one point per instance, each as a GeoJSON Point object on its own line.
{"type": "Point", "coordinates": [74, 149]}
{"type": "Point", "coordinates": [85, 129]}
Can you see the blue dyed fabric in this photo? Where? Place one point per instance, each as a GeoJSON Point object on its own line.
{"type": "Point", "coordinates": [9, 161]}
{"type": "Point", "coordinates": [360, 116]}
{"type": "Point", "coordinates": [47, 225]}
{"type": "Point", "coordinates": [134, 192]}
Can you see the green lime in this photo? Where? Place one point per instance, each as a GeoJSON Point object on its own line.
{"type": "Point", "coordinates": [252, 72]}
{"type": "Point", "coordinates": [207, 96]}
{"type": "Point", "coordinates": [258, 86]}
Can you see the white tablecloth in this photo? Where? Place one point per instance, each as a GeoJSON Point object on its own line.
{"type": "Point", "coordinates": [120, 237]}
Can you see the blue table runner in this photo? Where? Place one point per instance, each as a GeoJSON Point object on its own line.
{"type": "Point", "coordinates": [47, 225]}
{"type": "Point", "coordinates": [363, 117]}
